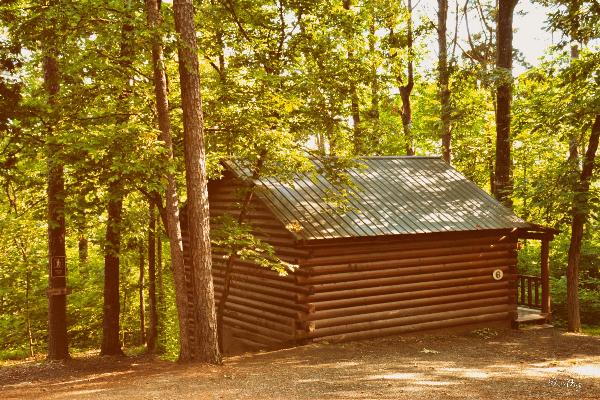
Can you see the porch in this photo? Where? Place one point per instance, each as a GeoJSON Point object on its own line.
{"type": "Point", "coordinates": [533, 292]}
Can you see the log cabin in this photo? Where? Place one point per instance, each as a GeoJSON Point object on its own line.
{"type": "Point", "coordinates": [416, 247]}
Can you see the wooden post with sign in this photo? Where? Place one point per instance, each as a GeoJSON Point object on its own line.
{"type": "Point", "coordinates": [545, 275]}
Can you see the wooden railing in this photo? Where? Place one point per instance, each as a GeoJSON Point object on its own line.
{"type": "Point", "coordinates": [529, 291]}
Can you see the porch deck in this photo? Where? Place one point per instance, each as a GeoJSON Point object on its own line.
{"type": "Point", "coordinates": [526, 315]}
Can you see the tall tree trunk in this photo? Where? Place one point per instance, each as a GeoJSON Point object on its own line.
{"type": "Point", "coordinates": [172, 222]}
{"type": "Point", "coordinates": [443, 79]}
{"type": "Point", "coordinates": [152, 280]}
{"type": "Point", "coordinates": [196, 183]}
{"type": "Point", "coordinates": [58, 345]}
{"type": "Point", "coordinates": [580, 213]}
{"type": "Point", "coordinates": [111, 344]}
{"type": "Point", "coordinates": [503, 173]}
{"type": "Point", "coordinates": [358, 140]}
{"type": "Point", "coordinates": [142, 303]}
{"type": "Point", "coordinates": [406, 90]}
{"type": "Point", "coordinates": [160, 294]}
{"type": "Point", "coordinates": [116, 193]}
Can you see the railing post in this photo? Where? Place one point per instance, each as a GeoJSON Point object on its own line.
{"type": "Point", "coordinates": [545, 274]}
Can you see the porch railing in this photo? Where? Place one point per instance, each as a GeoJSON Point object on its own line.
{"type": "Point", "coordinates": [529, 291]}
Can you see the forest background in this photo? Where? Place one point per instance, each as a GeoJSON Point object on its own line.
{"type": "Point", "coordinates": [283, 81]}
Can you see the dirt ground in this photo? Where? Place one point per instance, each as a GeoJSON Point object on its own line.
{"type": "Point", "coordinates": [484, 364]}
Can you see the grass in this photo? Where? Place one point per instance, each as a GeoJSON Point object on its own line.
{"type": "Point", "coordinates": [591, 330]}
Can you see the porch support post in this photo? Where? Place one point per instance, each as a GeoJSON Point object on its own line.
{"type": "Point", "coordinates": [545, 272]}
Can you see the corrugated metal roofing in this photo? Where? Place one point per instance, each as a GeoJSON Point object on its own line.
{"type": "Point", "coordinates": [391, 195]}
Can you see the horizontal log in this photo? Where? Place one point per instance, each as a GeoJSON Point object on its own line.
{"type": "Point", "coordinates": [237, 275]}
{"type": "Point", "coordinates": [406, 295]}
{"type": "Point", "coordinates": [501, 234]}
{"type": "Point", "coordinates": [255, 337]}
{"type": "Point", "coordinates": [357, 272]}
{"type": "Point", "coordinates": [396, 259]}
{"type": "Point", "coordinates": [268, 300]}
{"type": "Point", "coordinates": [257, 287]}
{"type": "Point", "coordinates": [288, 329]}
{"type": "Point", "coordinates": [349, 247]}
{"type": "Point", "coordinates": [490, 265]}
{"type": "Point", "coordinates": [259, 312]}
{"type": "Point", "coordinates": [387, 253]}
{"type": "Point", "coordinates": [410, 287]}
{"type": "Point", "coordinates": [441, 297]}
{"type": "Point", "coordinates": [250, 268]}
{"type": "Point", "coordinates": [409, 311]}
{"type": "Point", "coordinates": [252, 327]}
{"type": "Point", "coordinates": [417, 327]}
{"type": "Point", "coordinates": [416, 319]}
{"type": "Point", "coordinates": [250, 293]}
{"type": "Point", "coordinates": [261, 305]}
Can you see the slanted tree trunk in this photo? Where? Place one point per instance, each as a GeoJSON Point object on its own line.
{"type": "Point", "coordinates": [58, 345]}
{"type": "Point", "coordinates": [503, 170]}
{"type": "Point", "coordinates": [244, 209]}
{"type": "Point", "coordinates": [142, 308]}
{"type": "Point", "coordinates": [151, 345]}
{"type": "Point", "coordinates": [171, 220]}
{"type": "Point", "coordinates": [443, 79]}
{"type": "Point", "coordinates": [580, 213]}
{"type": "Point", "coordinates": [195, 167]}
{"type": "Point", "coordinates": [406, 89]}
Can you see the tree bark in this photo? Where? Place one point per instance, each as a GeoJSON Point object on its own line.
{"type": "Point", "coordinates": [151, 344]}
{"type": "Point", "coordinates": [196, 182]}
{"type": "Point", "coordinates": [172, 222]}
{"type": "Point", "coordinates": [503, 170]}
{"type": "Point", "coordinates": [111, 344]}
{"type": "Point", "coordinates": [58, 347]}
{"type": "Point", "coordinates": [443, 79]}
{"type": "Point", "coordinates": [580, 213]}
{"type": "Point", "coordinates": [160, 294]}
{"type": "Point", "coordinates": [142, 308]}
{"type": "Point", "coordinates": [406, 90]}
{"type": "Point", "coordinates": [110, 329]}
{"type": "Point", "coordinates": [358, 140]}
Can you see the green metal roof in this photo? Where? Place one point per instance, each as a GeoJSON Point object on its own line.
{"type": "Point", "coordinates": [390, 196]}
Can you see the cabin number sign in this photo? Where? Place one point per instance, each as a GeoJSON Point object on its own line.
{"type": "Point", "coordinates": [498, 274]}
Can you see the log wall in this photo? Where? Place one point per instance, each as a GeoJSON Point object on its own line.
{"type": "Point", "coordinates": [395, 286]}
{"type": "Point", "coordinates": [359, 288]}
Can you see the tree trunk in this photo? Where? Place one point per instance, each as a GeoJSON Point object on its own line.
{"type": "Point", "coordinates": [110, 329]}
{"type": "Point", "coordinates": [195, 166]}
{"type": "Point", "coordinates": [160, 295]}
{"type": "Point", "coordinates": [111, 344]}
{"type": "Point", "coordinates": [580, 213]}
{"type": "Point", "coordinates": [58, 345]}
{"type": "Point", "coordinates": [151, 345]}
{"type": "Point", "coordinates": [443, 79]}
{"type": "Point", "coordinates": [172, 222]}
{"type": "Point", "coordinates": [502, 174]}
{"type": "Point", "coordinates": [141, 296]}
{"type": "Point", "coordinates": [406, 90]}
{"type": "Point", "coordinates": [358, 140]}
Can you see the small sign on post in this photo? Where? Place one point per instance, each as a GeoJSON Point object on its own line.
{"type": "Point", "coordinates": [58, 267]}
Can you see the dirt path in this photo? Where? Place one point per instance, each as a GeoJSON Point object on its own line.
{"type": "Point", "coordinates": [533, 364]}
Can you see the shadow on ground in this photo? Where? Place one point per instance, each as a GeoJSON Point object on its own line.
{"type": "Point", "coordinates": [543, 363]}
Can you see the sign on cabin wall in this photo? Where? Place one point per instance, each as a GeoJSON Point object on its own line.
{"type": "Point", "coordinates": [498, 274]}
{"type": "Point", "coordinates": [58, 267]}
